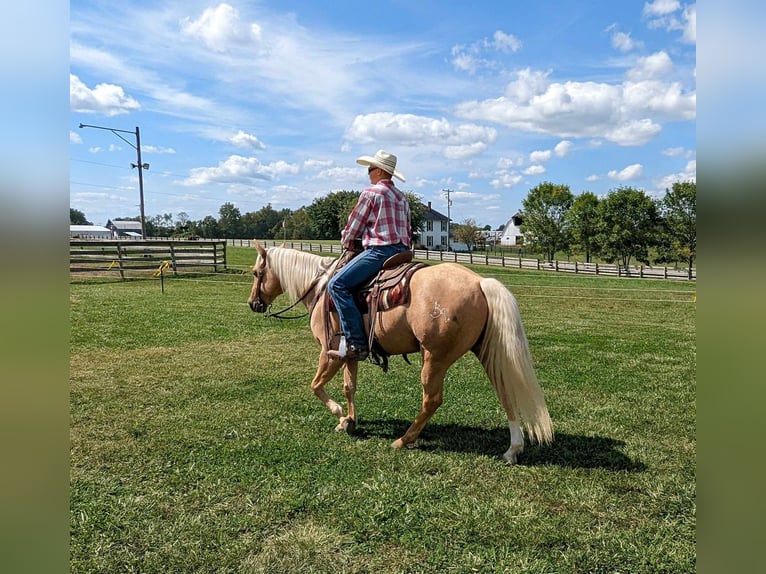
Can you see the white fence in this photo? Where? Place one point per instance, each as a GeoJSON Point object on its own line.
{"type": "Point", "coordinates": [605, 269]}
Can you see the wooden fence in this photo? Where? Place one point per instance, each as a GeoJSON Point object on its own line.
{"type": "Point", "coordinates": [104, 257]}
{"type": "Point", "coordinates": [611, 270]}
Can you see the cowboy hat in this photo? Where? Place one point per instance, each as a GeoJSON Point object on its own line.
{"type": "Point", "coordinates": [384, 160]}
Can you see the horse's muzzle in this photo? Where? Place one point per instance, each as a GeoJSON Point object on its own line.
{"type": "Point", "coordinates": [258, 306]}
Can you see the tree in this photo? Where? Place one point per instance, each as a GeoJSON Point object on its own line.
{"type": "Point", "coordinates": [261, 224]}
{"type": "Point", "coordinates": [182, 222]}
{"type": "Point", "coordinates": [467, 232]}
{"type": "Point", "coordinates": [582, 218]}
{"type": "Point", "coordinates": [229, 221]}
{"type": "Point", "coordinates": [417, 212]}
{"type": "Point", "coordinates": [679, 211]}
{"type": "Point", "coordinates": [77, 217]}
{"type": "Point", "coordinates": [299, 226]}
{"type": "Point", "coordinates": [627, 225]}
{"type": "Point", "coordinates": [545, 222]}
{"type": "Point", "coordinates": [208, 228]}
{"type": "Point", "coordinates": [328, 214]}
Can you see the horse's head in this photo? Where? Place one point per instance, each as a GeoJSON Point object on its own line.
{"type": "Point", "coordinates": [266, 285]}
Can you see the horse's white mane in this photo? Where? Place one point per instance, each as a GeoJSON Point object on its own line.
{"type": "Point", "coordinates": [296, 270]}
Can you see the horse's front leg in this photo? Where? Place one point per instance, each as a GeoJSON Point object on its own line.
{"type": "Point", "coordinates": [348, 423]}
{"type": "Point", "coordinates": [325, 372]}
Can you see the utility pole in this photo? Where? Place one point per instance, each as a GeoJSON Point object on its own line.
{"type": "Point", "coordinates": [449, 205]}
{"type": "Point", "coordinates": [140, 165]}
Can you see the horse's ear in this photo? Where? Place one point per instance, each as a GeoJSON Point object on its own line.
{"type": "Point", "coordinates": [259, 247]}
{"type": "Point", "coordinates": [283, 245]}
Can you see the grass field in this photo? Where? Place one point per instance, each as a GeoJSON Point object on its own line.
{"type": "Point", "coordinates": [197, 445]}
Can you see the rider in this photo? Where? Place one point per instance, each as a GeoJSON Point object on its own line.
{"type": "Point", "coordinates": [381, 219]}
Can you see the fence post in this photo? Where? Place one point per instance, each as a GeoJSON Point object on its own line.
{"type": "Point", "coordinates": [119, 260]}
{"type": "Point", "coordinates": [173, 259]}
{"type": "Point", "coordinates": [641, 272]}
{"type": "Point", "coordinates": [575, 267]}
{"type": "Point", "coordinates": [557, 264]}
{"type": "Point", "coordinates": [596, 268]}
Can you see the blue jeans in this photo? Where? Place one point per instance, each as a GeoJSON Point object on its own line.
{"type": "Point", "coordinates": [354, 274]}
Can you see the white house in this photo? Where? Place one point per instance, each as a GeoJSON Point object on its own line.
{"type": "Point", "coordinates": [434, 232]}
{"type": "Point", "coordinates": [90, 232]}
{"type": "Point", "coordinates": [512, 234]}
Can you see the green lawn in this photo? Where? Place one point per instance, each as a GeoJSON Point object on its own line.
{"type": "Point", "coordinates": [197, 445]}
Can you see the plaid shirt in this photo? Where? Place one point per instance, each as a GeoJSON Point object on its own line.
{"type": "Point", "coordinates": [380, 217]}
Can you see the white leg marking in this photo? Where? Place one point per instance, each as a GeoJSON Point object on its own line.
{"type": "Point", "coordinates": [517, 442]}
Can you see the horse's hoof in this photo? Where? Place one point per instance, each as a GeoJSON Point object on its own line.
{"type": "Point", "coordinates": [346, 424]}
{"type": "Point", "coordinates": [397, 444]}
{"type": "Point", "coordinates": [511, 458]}
{"type": "Point", "coordinates": [349, 425]}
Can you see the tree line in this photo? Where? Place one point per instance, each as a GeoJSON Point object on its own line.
{"type": "Point", "coordinates": [624, 225]}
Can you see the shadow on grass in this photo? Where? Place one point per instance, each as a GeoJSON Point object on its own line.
{"type": "Point", "coordinates": [566, 450]}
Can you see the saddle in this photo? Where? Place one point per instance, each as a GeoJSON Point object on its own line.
{"type": "Point", "coordinates": [388, 289]}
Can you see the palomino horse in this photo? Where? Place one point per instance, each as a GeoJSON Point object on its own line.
{"type": "Point", "coordinates": [451, 311]}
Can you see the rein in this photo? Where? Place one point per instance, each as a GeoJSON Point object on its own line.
{"type": "Point", "coordinates": [280, 314]}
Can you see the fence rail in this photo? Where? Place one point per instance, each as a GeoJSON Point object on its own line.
{"type": "Point", "coordinates": [606, 269]}
{"type": "Point", "coordinates": [123, 256]}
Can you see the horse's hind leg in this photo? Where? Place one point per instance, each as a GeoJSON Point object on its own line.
{"type": "Point", "coordinates": [517, 442]}
{"type": "Point", "coordinates": [432, 380]}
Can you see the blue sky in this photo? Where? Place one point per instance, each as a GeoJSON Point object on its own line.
{"type": "Point", "coordinates": [272, 101]}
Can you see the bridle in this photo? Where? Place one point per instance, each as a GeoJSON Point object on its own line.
{"type": "Point", "coordinates": [260, 307]}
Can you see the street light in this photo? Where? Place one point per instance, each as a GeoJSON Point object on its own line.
{"type": "Point", "coordinates": [140, 165]}
{"type": "Point", "coordinates": [449, 205]}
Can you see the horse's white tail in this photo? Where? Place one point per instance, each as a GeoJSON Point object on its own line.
{"type": "Point", "coordinates": [506, 359]}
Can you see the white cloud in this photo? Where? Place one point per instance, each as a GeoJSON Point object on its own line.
{"type": "Point", "coordinates": [662, 15]}
{"type": "Point", "coordinates": [593, 178]}
{"type": "Point", "coordinates": [563, 148]}
{"type": "Point", "coordinates": [535, 170]}
{"type": "Point", "coordinates": [673, 151]}
{"type": "Point", "coordinates": [470, 58]}
{"type": "Point", "coordinates": [624, 43]}
{"type": "Point", "coordinates": [158, 150]}
{"type": "Point", "coordinates": [464, 151]}
{"type": "Point", "coordinates": [505, 42]}
{"type": "Point", "coordinates": [315, 164]}
{"type": "Point", "coordinates": [540, 156]}
{"type": "Point", "coordinates": [651, 67]}
{"type": "Point", "coordinates": [506, 180]}
{"type": "Point", "coordinates": [106, 99]}
{"type": "Point", "coordinates": [243, 139]}
{"type": "Point", "coordinates": [635, 133]}
{"type": "Point", "coordinates": [409, 129]}
{"type": "Point", "coordinates": [234, 169]}
{"type": "Point", "coordinates": [661, 7]}
{"type": "Point", "coordinates": [509, 162]}
{"type": "Point", "coordinates": [689, 173]}
{"type": "Point", "coordinates": [74, 137]}
{"type": "Point", "coordinates": [627, 114]}
{"type": "Point", "coordinates": [690, 24]}
{"type": "Point", "coordinates": [220, 27]}
{"type": "Point", "coordinates": [630, 172]}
